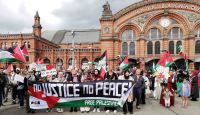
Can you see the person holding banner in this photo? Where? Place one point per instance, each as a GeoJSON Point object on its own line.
{"type": "Point", "coordinates": [96, 77]}
{"type": "Point", "coordinates": [31, 77]}
{"type": "Point", "coordinates": [111, 75]}
{"type": "Point", "coordinates": [85, 78]}
{"type": "Point", "coordinates": [60, 78]}
{"type": "Point", "coordinates": [73, 78]}
{"type": "Point", "coordinates": [129, 101]}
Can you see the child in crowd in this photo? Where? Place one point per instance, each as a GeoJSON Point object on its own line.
{"type": "Point", "coordinates": [185, 92]}
{"type": "Point", "coordinates": [166, 97]}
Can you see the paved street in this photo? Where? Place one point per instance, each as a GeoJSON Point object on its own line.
{"type": "Point", "coordinates": [151, 108]}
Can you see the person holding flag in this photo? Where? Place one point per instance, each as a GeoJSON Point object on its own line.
{"type": "Point", "coordinates": [110, 75]}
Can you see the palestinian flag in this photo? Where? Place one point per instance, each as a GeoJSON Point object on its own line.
{"type": "Point", "coordinates": [124, 64]}
{"type": "Point", "coordinates": [93, 63]}
{"type": "Point", "coordinates": [183, 55]}
{"type": "Point", "coordinates": [24, 50]}
{"type": "Point", "coordinates": [17, 53]}
{"type": "Point", "coordinates": [6, 56]}
{"type": "Point", "coordinates": [163, 64]}
{"type": "Point", "coordinates": [166, 60]}
{"type": "Point", "coordinates": [103, 65]}
{"type": "Point", "coordinates": [120, 58]}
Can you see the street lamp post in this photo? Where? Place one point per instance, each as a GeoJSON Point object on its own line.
{"type": "Point", "coordinates": [73, 62]}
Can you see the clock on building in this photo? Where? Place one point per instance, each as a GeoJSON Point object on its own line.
{"type": "Point", "coordinates": [165, 22]}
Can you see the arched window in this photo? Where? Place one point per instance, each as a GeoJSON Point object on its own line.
{"type": "Point", "coordinates": [197, 47]}
{"type": "Point", "coordinates": [70, 63]}
{"type": "Point", "coordinates": [157, 47]}
{"type": "Point", "coordinates": [197, 33]}
{"type": "Point", "coordinates": [171, 47]}
{"type": "Point", "coordinates": [132, 48]}
{"type": "Point", "coordinates": [29, 45]}
{"type": "Point", "coordinates": [59, 63]}
{"type": "Point", "coordinates": [175, 33]}
{"type": "Point", "coordinates": [84, 63]}
{"type": "Point", "coordinates": [149, 47]}
{"type": "Point", "coordinates": [154, 34]}
{"type": "Point", "coordinates": [178, 43]}
{"type": "Point", "coordinates": [6, 45]}
{"type": "Point", "coordinates": [46, 61]}
{"type": "Point", "coordinates": [2, 45]}
{"type": "Point", "coordinates": [125, 48]}
{"type": "Point", "coordinates": [128, 35]}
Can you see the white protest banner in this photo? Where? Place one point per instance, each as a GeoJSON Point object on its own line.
{"type": "Point", "coordinates": [48, 72]}
{"type": "Point", "coordinates": [41, 67]}
{"type": "Point", "coordinates": [32, 66]}
{"type": "Point", "coordinates": [19, 78]}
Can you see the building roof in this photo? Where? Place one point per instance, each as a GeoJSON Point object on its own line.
{"type": "Point", "coordinates": [65, 36]}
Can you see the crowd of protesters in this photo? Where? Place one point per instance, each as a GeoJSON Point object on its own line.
{"type": "Point", "coordinates": [146, 85]}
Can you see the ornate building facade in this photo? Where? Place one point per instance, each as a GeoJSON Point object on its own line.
{"type": "Point", "coordinates": [141, 31]}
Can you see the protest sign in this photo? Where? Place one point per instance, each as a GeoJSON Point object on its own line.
{"type": "Point", "coordinates": [100, 93]}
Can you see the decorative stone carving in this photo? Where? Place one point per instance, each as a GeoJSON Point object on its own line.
{"type": "Point", "coordinates": [190, 16]}
{"type": "Point", "coordinates": [140, 20]}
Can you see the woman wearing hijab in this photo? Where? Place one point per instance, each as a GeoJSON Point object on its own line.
{"type": "Point", "coordinates": [194, 84]}
{"type": "Point", "coordinates": [129, 101]}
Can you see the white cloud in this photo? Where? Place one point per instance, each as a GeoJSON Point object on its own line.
{"type": "Point", "coordinates": [18, 15]}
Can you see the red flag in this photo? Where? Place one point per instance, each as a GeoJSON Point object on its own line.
{"type": "Point", "coordinates": [25, 50]}
{"type": "Point", "coordinates": [10, 68]}
{"type": "Point", "coordinates": [166, 60]}
{"type": "Point", "coordinates": [103, 64]}
{"type": "Point", "coordinates": [102, 74]}
{"type": "Point", "coordinates": [17, 53]}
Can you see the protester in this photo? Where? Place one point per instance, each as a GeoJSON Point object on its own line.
{"type": "Point", "coordinates": [158, 88]}
{"type": "Point", "coordinates": [85, 78]}
{"type": "Point", "coordinates": [180, 76]}
{"type": "Point", "coordinates": [21, 89]}
{"type": "Point", "coordinates": [14, 85]}
{"type": "Point", "coordinates": [2, 85]}
{"type": "Point", "coordinates": [185, 92]}
{"type": "Point", "coordinates": [31, 78]}
{"type": "Point", "coordinates": [145, 89]}
{"type": "Point", "coordinates": [8, 85]}
{"type": "Point", "coordinates": [137, 89]}
{"type": "Point", "coordinates": [129, 101]}
{"type": "Point", "coordinates": [111, 75]}
{"type": "Point", "coordinates": [73, 79]}
{"type": "Point", "coordinates": [171, 85]}
{"type": "Point", "coordinates": [147, 86]}
{"type": "Point", "coordinates": [60, 78]}
{"type": "Point", "coordinates": [167, 94]}
{"type": "Point", "coordinates": [96, 77]}
{"type": "Point", "coordinates": [194, 83]}
{"type": "Point", "coordinates": [152, 82]}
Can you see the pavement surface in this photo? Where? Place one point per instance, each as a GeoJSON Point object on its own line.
{"type": "Point", "coordinates": [152, 107]}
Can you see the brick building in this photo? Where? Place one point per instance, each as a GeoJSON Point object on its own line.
{"type": "Point", "coordinates": [141, 31]}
